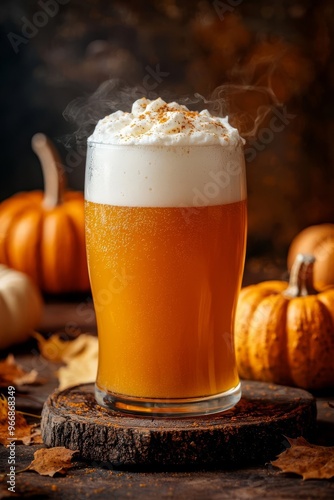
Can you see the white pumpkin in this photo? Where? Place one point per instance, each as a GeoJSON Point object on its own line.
{"type": "Point", "coordinates": [21, 307]}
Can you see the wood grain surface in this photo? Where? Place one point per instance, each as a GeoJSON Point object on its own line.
{"type": "Point", "coordinates": [250, 433]}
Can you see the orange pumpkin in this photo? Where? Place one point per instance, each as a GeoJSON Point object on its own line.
{"type": "Point", "coordinates": [42, 234]}
{"type": "Point", "coordinates": [318, 241]}
{"type": "Point", "coordinates": [285, 333]}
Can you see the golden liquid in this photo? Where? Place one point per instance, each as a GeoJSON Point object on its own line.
{"type": "Point", "coordinates": [165, 284]}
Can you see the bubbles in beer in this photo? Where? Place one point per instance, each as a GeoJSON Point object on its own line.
{"type": "Point", "coordinates": [171, 287]}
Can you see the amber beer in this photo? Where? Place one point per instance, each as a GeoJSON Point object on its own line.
{"type": "Point", "coordinates": [165, 281]}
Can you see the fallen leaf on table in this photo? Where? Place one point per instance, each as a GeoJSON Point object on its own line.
{"type": "Point", "coordinates": [56, 349]}
{"type": "Point", "coordinates": [80, 356]}
{"type": "Point", "coordinates": [82, 368]}
{"type": "Point", "coordinates": [12, 373]}
{"type": "Point", "coordinates": [34, 438]}
{"type": "Point", "coordinates": [308, 460]}
{"type": "Point", "coordinates": [24, 432]}
{"type": "Point", "coordinates": [49, 461]}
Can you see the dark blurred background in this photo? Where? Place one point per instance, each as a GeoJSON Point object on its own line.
{"type": "Point", "coordinates": [55, 51]}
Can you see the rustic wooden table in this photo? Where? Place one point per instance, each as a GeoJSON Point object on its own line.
{"type": "Point", "coordinates": [100, 480]}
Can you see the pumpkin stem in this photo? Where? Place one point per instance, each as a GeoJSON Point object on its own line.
{"type": "Point", "coordinates": [53, 172]}
{"type": "Point", "coordinates": [301, 277]}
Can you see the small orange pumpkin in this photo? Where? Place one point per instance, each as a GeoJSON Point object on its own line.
{"type": "Point", "coordinates": [42, 234]}
{"type": "Point", "coordinates": [284, 333]}
{"type": "Point", "coordinates": [318, 241]}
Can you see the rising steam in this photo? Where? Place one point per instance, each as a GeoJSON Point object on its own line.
{"type": "Point", "coordinates": [245, 105]}
{"type": "Point", "coordinates": [85, 112]}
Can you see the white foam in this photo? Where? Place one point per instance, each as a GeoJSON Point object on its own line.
{"type": "Point", "coordinates": [161, 176]}
{"type": "Point", "coordinates": [162, 155]}
{"type": "Point", "coordinates": [160, 123]}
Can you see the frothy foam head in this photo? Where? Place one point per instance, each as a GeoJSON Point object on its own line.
{"type": "Point", "coordinates": [160, 123]}
{"type": "Point", "coordinates": [163, 155]}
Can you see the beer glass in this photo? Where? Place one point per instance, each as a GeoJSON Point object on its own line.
{"type": "Point", "coordinates": [165, 233]}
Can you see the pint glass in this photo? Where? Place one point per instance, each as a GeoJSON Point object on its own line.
{"type": "Point", "coordinates": [165, 232]}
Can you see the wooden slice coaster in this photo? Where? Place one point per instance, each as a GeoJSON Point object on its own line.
{"type": "Point", "coordinates": [250, 433]}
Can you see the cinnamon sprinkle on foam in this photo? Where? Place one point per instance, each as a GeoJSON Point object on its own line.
{"type": "Point", "coordinates": [159, 123]}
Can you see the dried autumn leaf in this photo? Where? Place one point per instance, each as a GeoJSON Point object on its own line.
{"type": "Point", "coordinates": [56, 349]}
{"type": "Point", "coordinates": [24, 432]}
{"type": "Point", "coordinates": [49, 461]}
{"type": "Point", "coordinates": [34, 438]}
{"type": "Point", "coordinates": [80, 356]}
{"type": "Point", "coordinates": [308, 460]}
{"type": "Point", "coordinates": [12, 373]}
{"type": "Point", "coordinates": [82, 368]}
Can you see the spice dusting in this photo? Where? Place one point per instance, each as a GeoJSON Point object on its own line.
{"type": "Point", "coordinates": [160, 123]}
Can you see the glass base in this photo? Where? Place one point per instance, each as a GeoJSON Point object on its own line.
{"type": "Point", "coordinates": [189, 407]}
